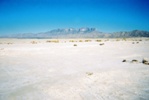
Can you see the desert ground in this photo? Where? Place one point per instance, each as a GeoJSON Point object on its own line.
{"type": "Point", "coordinates": [74, 69]}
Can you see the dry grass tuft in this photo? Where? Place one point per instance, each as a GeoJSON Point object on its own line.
{"type": "Point", "coordinates": [52, 41]}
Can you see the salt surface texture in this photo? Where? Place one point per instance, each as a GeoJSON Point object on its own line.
{"type": "Point", "coordinates": [62, 71]}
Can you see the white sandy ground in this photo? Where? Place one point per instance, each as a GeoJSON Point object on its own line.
{"type": "Point", "coordinates": [61, 71]}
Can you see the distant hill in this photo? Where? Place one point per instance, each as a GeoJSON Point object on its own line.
{"type": "Point", "coordinates": [80, 33]}
{"type": "Point", "coordinates": [134, 33]}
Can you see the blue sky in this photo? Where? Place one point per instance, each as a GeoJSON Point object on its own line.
{"type": "Point", "coordinates": [23, 16]}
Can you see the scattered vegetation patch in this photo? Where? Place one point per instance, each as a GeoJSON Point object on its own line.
{"type": "Point", "coordinates": [48, 41]}
{"type": "Point", "coordinates": [124, 39]}
{"type": "Point", "coordinates": [134, 60]}
{"type": "Point", "coordinates": [89, 73]}
{"type": "Point", "coordinates": [53, 41]}
{"type": "Point", "coordinates": [2, 49]}
{"type": "Point", "coordinates": [80, 40]}
{"type": "Point", "coordinates": [75, 45]}
{"type": "Point", "coordinates": [135, 42]}
{"type": "Point", "coordinates": [117, 39]}
{"type": "Point", "coordinates": [72, 41]}
{"type": "Point", "coordinates": [145, 61]}
{"type": "Point", "coordinates": [34, 42]}
{"type": "Point", "coordinates": [124, 60]}
{"type": "Point", "coordinates": [98, 40]}
{"type": "Point", "coordinates": [88, 40]}
{"type": "Point", "coordinates": [9, 43]}
{"type": "Point", "coordinates": [106, 40]}
{"type": "Point", "coordinates": [101, 44]}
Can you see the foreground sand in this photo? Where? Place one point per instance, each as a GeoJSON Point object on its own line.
{"type": "Point", "coordinates": [41, 69]}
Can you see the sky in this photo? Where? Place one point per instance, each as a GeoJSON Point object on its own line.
{"type": "Point", "coordinates": [33, 16]}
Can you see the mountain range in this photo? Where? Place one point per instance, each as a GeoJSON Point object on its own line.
{"type": "Point", "coordinates": [80, 33]}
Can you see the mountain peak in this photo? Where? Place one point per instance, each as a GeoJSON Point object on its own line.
{"type": "Point", "coordinates": [83, 32]}
{"type": "Point", "coordinates": [73, 30]}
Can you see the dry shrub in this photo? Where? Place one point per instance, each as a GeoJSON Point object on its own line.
{"type": "Point", "coordinates": [134, 60]}
{"type": "Point", "coordinates": [53, 41]}
{"type": "Point", "coordinates": [89, 73]}
{"type": "Point", "coordinates": [117, 39]}
{"type": "Point", "coordinates": [80, 40]}
{"type": "Point", "coordinates": [9, 43]}
{"type": "Point", "coordinates": [71, 41]}
{"type": "Point", "coordinates": [87, 40]}
{"type": "Point", "coordinates": [98, 40]}
{"type": "Point", "coordinates": [124, 60]}
{"type": "Point", "coordinates": [48, 41]}
{"type": "Point", "coordinates": [124, 39]}
{"type": "Point", "coordinates": [133, 42]}
{"type": "Point", "coordinates": [75, 45]}
{"type": "Point", "coordinates": [106, 40]}
{"type": "Point", "coordinates": [101, 44]}
{"type": "Point", "coordinates": [34, 42]}
{"type": "Point", "coordinates": [145, 61]}
{"type": "Point", "coordinates": [2, 49]}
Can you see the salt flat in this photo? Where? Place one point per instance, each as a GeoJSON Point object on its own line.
{"type": "Point", "coordinates": [40, 69]}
